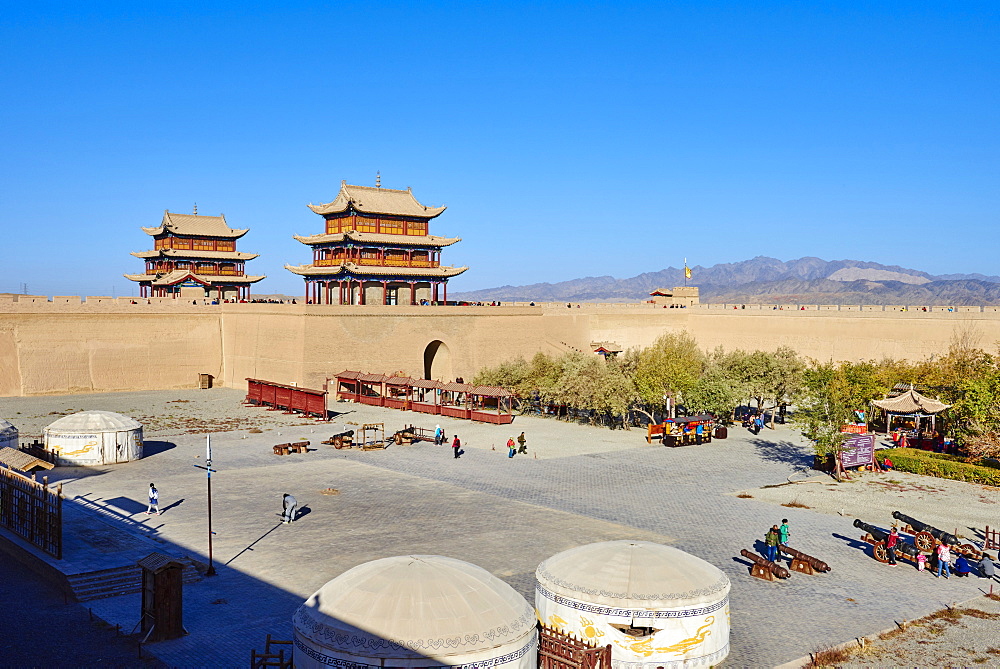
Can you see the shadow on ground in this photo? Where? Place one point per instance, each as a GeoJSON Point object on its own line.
{"type": "Point", "coordinates": [784, 452]}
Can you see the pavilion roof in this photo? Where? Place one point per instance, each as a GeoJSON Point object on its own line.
{"type": "Point", "coordinates": [398, 381]}
{"type": "Point", "coordinates": [372, 378]}
{"type": "Point", "coordinates": [425, 383]}
{"type": "Point", "coordinates": [375, 270]}
{"type": "Point", "coordinates": [351, 375]}
{"type": "Point", "coordinates": [182, 253]}
{"type": "Point", "coordinates": [377, 238]}
{"type": "Point", "coordinates": [457, 387]}
{"type": "Point", "coordinates": [195, 225]}
{"type": "Point", "coordinates": [606, 346]}
{"type": "Point", "coordinates": [911, 402]}
{"type": "Point", "coordinates": [21, 460]}
{"type": "Point", "coordinates": [369, 200]}
{"type": "Point", "coordinates": [663, 292]}
{"type": "Point", "coordinates": [491, 391]}
{"type": "Point", "coordinates": [178, 275]}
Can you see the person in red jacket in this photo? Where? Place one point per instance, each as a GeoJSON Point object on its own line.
{"type": "Point", "coordinates": [457, 445]}
{"type": "Point", "coordinates": [890, 546]}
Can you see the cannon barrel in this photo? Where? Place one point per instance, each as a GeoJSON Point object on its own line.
{"type": "Point", "coordinates": [815, 563]}
{"type": "Point", "coordinates": [775, 569]}
{"type": "Point", "coordinates": [345, 433]}
{"type": "Point", "coordinates": [878, 535]}
{"type": "Point", "coordinates": [918, 526]}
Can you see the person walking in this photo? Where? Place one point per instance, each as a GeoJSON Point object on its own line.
{"type": "Point", "coordinates": [510, 447]}
{"type": "Point", "coordinates": [771, 540]}
{"type": "Point", "coordinates": [154, 501]}
{"type": "Point", "coordinates": [288, 505]}
{"type": "Point", "coordinates": [457, 446]}
{"type": "Point", "coordinates": [944, 560]}
{"type": "Point", "coordinates": [890, 546]}
{"type": "Point", "coordinates": [438, 435]}
{"type": "Point", "coordinates": [522, 443]}
{"type": "Point", "coordinates": [783, 532]}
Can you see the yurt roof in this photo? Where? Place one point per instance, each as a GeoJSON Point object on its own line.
{"type": "Point", "coordinates": [94, 421]}
{"type": "Point", "coordinates": [414, 606]}
{"type": "Point", "coordinates": [6, 427]}
{"type": "Point", "coordinates": [632, 574]}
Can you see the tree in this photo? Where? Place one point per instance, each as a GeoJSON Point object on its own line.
{"type": "Point", "coordinates": [822, 409]}
{"type": "Point", "coordinates": [670, 367]}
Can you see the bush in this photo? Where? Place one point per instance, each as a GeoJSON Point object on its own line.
{"type": "Point", "coordinates": [940, 465]}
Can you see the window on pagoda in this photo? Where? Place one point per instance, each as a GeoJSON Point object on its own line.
{"type": "Point", "coordinates": [421, 259]}
{"type": "Point", "coordinates": [206, 268]}
{"type": "Point", "coordinates": [179, 243]}
{"type": "Point", "coordinates": [391, 227]}
{"type": "Point", "coordinates": [203, 245]}
{"type": "Point", "coordinates": [225, 246]}
{"type": "Point", "coordinates": [395, 258]}
{"type": "Point", "coordinates": [228, 269]}
{"type": "Point", "coordinates": [369, 256]}
{"type": "Point", "coordinates": [415, 228]}
{"type": "Point", "coordinates": [365, 224]}
{"type": "Point", "coordinates": [182, 264]}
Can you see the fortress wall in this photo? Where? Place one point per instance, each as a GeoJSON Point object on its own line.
{"type": "Point", "coordinates": [63, 351]}
{"type": "Point", "coordinates": [100, 346]}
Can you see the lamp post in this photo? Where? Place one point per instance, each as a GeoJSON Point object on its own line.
{"type": "Point", "coordinates": [208, 470]}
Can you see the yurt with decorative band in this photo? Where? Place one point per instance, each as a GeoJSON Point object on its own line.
{"type": "Point", "coordinates": [8, 435]}
{"type": "Point", "coordinates": [94, 438]}
{"type": "Point", "coordinates": [415, 611]}
{"type": "Point", "coordinates": [656, 605]}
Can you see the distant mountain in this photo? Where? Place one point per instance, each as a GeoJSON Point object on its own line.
{"type": "Point", "coordinates": [770, 280]}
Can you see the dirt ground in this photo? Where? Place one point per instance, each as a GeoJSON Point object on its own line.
{"type": "Point", "coordinates": [966, 635]}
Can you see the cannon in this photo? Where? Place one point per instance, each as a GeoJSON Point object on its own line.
{"type": "Point", "coordinates": [877, 537]}
{"type": "Point", "coordinates": [927, 537]}
{"type": "Point", "coordinates": [807, 564]}
{"type": "Point", "coordinates": [764, 569]}
{"type": "Point", "coordinates": [344, 439]}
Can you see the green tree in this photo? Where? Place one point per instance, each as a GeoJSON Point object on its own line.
{"type": "Point", "coordinates": [670, 367]}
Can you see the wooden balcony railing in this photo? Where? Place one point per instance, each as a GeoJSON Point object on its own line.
{"type": "Point", "coordinates": [388, 262]}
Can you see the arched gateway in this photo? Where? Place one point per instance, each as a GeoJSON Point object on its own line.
{"type": "Point", "coordinates": [437, 361]}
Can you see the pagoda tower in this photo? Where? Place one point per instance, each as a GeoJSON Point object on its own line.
{"type": "Point", "coordinates": [376, 249]}
{"type": "Point", "coordinates": [194, 257]}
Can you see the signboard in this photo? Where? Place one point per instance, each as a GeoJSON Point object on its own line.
{"type": "Point", "coordinates": [858, 451]}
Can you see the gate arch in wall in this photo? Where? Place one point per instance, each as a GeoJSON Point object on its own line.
{"type": "Point", "coordinates": [437, 361]}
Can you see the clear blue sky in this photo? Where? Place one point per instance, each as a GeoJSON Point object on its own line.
{"type": "Point", "coordinates": [567, 139]}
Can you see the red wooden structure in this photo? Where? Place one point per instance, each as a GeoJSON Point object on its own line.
{"type": "Point", "coordinates": [290, 398]}
{"type": "Point", "coordinates": [424, 396]}
{"type": "Point", "coordinates": [991, 539]}
{"type": "Point", "coordinates": [487, 404]}
{"type": "Point", "coordinates": [557, 650]}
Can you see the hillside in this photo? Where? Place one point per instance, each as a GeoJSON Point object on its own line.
{"type": "Point", "coordinates": [769, 280]}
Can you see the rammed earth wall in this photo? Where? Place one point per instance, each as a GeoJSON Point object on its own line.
{"type": "Point", "coordinates": [109, 345]}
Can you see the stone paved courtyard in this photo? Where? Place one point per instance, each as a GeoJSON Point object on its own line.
{"type": "Point", "coordinates": [587, 484]}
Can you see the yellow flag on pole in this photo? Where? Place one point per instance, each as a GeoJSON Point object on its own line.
{"type": "Point", "coordinates": [687, 270]}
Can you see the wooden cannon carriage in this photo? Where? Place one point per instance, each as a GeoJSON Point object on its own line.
{"type": "Point", "coordinates": [927, 537]}
{"type": "Point", "coordinates": [803, 563]}
{"type": "Point", "coordinates": [764, 569]}
{"type": "Point", "coordinates": [877, 538]}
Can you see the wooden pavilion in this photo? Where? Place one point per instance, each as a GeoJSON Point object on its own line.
{"type": "Point", "coordinates": [910, 405]}
{"type": "Point", "coordinates": [376, 249]}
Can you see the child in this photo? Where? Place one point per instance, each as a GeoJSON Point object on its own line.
{"type": "Point", "coordinates": [510, 447]}
{"type": "Point", "coordinates": [154, 500]}
{"type": "Point", "coordinates": [921, 562]}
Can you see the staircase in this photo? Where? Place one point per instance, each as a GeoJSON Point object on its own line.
{"type": "Point", "coordinates": [118, 581]}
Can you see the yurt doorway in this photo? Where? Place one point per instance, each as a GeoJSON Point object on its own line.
{"type": "Point", "coordinates": [437, 361]}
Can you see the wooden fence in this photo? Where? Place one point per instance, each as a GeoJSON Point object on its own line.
{"type": "Point", "coordinates": [32, 510]}
{"type": "Point", "coordinates": [557, 650]}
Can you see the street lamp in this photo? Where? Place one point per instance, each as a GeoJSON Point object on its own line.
{"type": "Point", "coordinates": [208, 470]}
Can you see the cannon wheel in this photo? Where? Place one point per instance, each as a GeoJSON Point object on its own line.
{"type": "Point", "coordinates": [880, 552]}
{"type": "Point", "coordinates": [970, 551]}
{"type": "Point", "coordinates": [924, 541]}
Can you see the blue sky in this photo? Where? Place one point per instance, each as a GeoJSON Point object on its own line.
{"type": "Point", "coordinates": [567, 139]}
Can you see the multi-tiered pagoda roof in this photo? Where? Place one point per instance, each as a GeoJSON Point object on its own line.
{"type": "Point", "coordinates": [194, 256]}
{"type": "Point", "coordinates": [376, 248]}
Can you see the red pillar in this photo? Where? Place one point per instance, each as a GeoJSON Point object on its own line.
{"type": "Point", "coordinates": [413, 292]}
{"type": "Point", "coordinates": [445, 284]}
{"type": "Point", "coordinates": [385, 293]}
{"type": "Point", "coordinates": [361, 291]}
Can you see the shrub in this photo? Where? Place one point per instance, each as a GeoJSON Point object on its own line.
{"type": "Point", "coordinates": [947, 467]}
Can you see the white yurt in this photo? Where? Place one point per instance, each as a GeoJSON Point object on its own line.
{"type": "Point", "coordinates": [94, 438]}
{"type": "Point", "coordinates": [657, 606]}
{"type": "Point", "coordinates": [416, 611]}
{"type": "Point", "coordinates": [8, 435]}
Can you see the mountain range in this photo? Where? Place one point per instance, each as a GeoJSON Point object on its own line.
{"type": "Point", "coordinates": [771, 281]}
